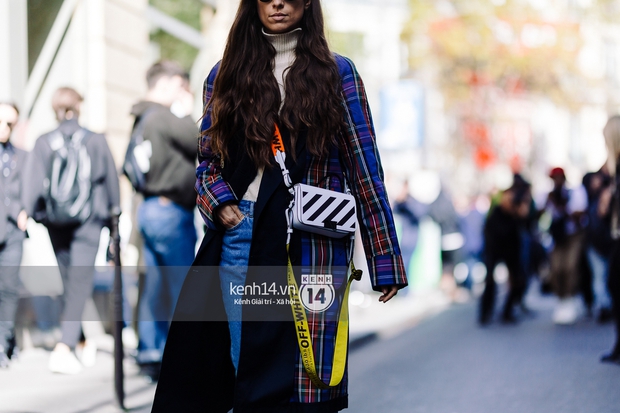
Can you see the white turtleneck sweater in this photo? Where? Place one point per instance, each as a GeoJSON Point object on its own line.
{"type": "Point", "coordinates": [285, 45]}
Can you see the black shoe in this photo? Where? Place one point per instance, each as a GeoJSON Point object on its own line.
{"type": "Point", "coordinates": [4, 360]}
{"type": "Point", "coordinates": [13, 351]}
{"type": "Point", "coordinates": [150, 371]}
{"type": "Point", "coordinates": [484, 320]}
{"type": "Point", "coordinates": [604, 316]}
{"type": "Point", "coordinates": [613, 357]}
{"type": "Point", "coordinates": [509, 319]}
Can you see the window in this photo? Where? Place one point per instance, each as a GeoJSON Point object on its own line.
{"type": "Point", "coordinates": [41, 17]}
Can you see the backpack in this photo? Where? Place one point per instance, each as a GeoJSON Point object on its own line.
{"type": "Point", "coordinates": [68, 195]}
{"type": "Point", "coordinates": [138, 156]}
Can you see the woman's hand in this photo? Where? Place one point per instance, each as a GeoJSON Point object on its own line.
{"type": "Point", "coordinates": [388, 293]}
{"type": "Point", "coordinates": [229, 216]}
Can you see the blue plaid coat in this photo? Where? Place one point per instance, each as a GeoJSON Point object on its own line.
{"type": "Point", "coordinates": [271, 376]}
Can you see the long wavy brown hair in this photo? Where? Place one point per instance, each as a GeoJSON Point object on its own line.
{"type": "Point", "coordinates": [246, 97]}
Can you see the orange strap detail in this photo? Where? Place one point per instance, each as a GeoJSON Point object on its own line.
{"type": "Point", "coordinates": [277, 145]}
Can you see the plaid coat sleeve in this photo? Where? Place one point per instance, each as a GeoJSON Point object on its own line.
{"type": "Point", "coordinates": [211, 188]}
{"type": "Point", "coordinates": [366, 175]}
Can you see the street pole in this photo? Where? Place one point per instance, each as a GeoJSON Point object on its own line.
{"type": "Point", "coordinates": [117, 322]}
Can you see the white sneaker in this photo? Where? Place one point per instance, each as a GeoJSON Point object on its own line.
{"type": "Point", "coordinates": [130, 339]}
{"type": "Point", "coordinates": [565, 312]}
{"type": "Point", "coordinates": [87, 353]}
{"type": "Point", "coordinates": [64, 362]}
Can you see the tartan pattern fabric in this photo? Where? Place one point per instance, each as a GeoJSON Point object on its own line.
{"type": "Point", "coordinates": [360, 160]}
{"type": "Point", "coordinates": [211, 188]}
{"type": "Point", "coordinates": [321, 254]}
{"type": "Point", "coordinates": [361, 157]}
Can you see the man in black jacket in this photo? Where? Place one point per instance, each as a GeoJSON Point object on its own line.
{"type": "Point", "coordinates": [502, 243]}
{"type": "Point", "coordinates": [75, 244]}
{"type": "Point", "coordinates": [12, 225]}
{"type": "Point", "coordinates": [166, 217]}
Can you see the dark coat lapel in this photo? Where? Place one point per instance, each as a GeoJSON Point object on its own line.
{"type": "Point", "coordinates": [272, 177]}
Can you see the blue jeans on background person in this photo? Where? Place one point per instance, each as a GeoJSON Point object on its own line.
{"type": "Point", "coordinates": [103, 282]}
{"type": "Point", "coordinates": [233, 270]}
{"type": "Point", "coordinates": [169, 242]}
{"type": "Point", "coordinates": [600, 268]}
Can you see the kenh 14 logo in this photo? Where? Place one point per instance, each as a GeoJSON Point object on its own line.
{"type": "Point", "coordinates": [317, 292]}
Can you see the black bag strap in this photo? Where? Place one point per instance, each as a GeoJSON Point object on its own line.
{"type": "Point", "coordinates": [82, 135]}
{"type": "Point", "coordinates": [139, 123]}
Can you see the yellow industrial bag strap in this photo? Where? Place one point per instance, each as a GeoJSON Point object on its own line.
{"type": "Point", "coordinates": [302, 330]}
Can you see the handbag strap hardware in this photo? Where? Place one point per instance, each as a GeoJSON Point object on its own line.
{"type": "Point", "coordinates": [277, 147]}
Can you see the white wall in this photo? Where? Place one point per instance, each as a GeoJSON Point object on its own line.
{"type": "Point", "coordinates": [103, 56]}
{"type": "Point", "coordinates": [381, 22]}
{"type": "Point", "coordinates": [13, 50]}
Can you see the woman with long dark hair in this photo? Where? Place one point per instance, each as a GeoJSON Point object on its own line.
{"type": "Point", "coordinates": [280, 109]}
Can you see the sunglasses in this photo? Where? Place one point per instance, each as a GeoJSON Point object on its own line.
{"type": "Point", "coordinates": [9, 124]}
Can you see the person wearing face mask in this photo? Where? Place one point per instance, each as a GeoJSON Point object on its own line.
{"type": "Point", "coordinates": [280, 109]}
{"type": "Point", "coordinates": [12, 225]}
{"type": "Point", "coordinates": [165, 217]}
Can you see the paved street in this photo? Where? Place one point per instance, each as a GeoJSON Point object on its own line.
{"type": "Point", "coordinates": [28, 387]}
{"type": "Point", "coordinates": [428, 358]}
{"type": "Point", "coordinates": [447, 364]}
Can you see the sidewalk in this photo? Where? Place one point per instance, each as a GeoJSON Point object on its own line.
{"type": "Point", "coordinates": [372, 319]}
{"type": "Point", "coordinates": [29, 387]}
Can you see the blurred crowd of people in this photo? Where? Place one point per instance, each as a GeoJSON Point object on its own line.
{"type": "Point", "coordinates": [69, 183]}
{"type": "Point", "coordinates": [566, 241]}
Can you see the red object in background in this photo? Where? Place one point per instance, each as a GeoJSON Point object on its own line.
{"type": "Point", "coordinates": [515, 86]}
{"type": "Point", "coordinates": [516, 164]}
{"type": "Point", "coordinates": [557, 172]}
{"type": "Point", "coordinates": [484, 156]}
{"type": "Point", "coordinates": [476, 132]}
{"type": "Point", "coordinates": [478, 79]}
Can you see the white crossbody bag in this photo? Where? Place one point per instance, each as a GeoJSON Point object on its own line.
{"type": "Point", "coordinates": [316, 210]}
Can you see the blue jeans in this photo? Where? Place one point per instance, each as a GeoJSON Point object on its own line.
{"type": "Point", "coordinates": [600, 267]}
{"type": "Point", "coordinates": [169, 242]}
{"type": "Point", "coordinates": [233, 270]}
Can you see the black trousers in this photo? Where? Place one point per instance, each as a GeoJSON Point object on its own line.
{"type": "Point", "coordinates": [614, 290]}
{"type": "Point", "coordinates": [516, 290]}
{"type": "Point", "coordinates": [10, 260]}
{"type": "Point", "coordinates": [75, 249]}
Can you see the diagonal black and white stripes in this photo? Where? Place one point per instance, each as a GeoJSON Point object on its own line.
{"type": "Point", "coordinates": [325, 209]}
